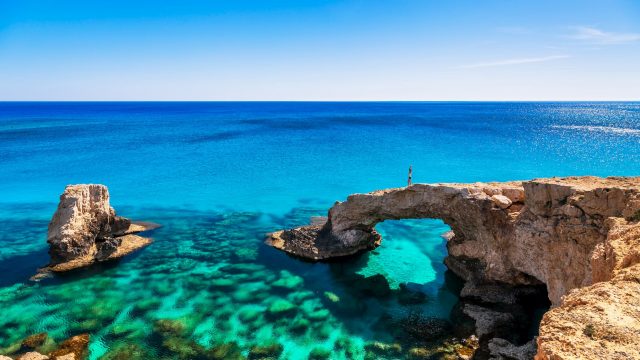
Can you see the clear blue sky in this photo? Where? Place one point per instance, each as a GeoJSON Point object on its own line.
{"type": "Point", "coordinates": [319, 50]}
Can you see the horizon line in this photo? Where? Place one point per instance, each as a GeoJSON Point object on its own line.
{"type": "Point", "coordinates": [312, 101]}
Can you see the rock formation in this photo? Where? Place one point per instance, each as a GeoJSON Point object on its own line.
{"type": "Point", "coordinates": [85, 229]}
{"type": "Point", "coordinates": [565, 233]}
{"type": "Point", "coordinates": [601, 321]}
{"type": "Point", "coordinates": [74, 348]}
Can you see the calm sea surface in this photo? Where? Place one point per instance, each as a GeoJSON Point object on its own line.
{"type": "Point", "coordinates": [218, 176]}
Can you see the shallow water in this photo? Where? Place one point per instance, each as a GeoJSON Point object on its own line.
{"type": "Point", "coordinates": [218, 176]}
{"type": "Point", "coordinates": [213, 274]}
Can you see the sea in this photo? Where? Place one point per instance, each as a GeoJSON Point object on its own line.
{"type": "Point", "coordinates": [218, 176]}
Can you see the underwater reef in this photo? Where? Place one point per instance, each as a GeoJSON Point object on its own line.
{"type": "Point", "coordinates": [222, 294]}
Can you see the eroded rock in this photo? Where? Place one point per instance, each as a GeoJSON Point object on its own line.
{"type": "Point", "coordinates": [425, 328]}
{"type": "Point", "coordinates": [563, 233]}
{"type": "Point", "coordinates": [601, 321]}
{"type": "Point", "coordinates": [488, 321]}
{"type": "Point", "coordinates": [85, 229]}
{"type": "Point", "coordinates": [77, 345]}
{"type": "Point", "coordinates": [35, 347]}
{"type": "Point", "coordinates": [33, 356]}
{"type": "Point", "coordinates": [501, 349]}
{"type": "Point", "coordinates": [267, 351]}
{"type": "Point", "coordinates": [549, 240]}
{"type": "Point", "coordinates": [34, 341]}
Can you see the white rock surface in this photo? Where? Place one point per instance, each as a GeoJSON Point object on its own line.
{"type": "Point", "coordinates": [85, 229]}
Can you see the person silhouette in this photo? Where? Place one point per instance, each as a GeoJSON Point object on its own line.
{"type": "Point", "coordinates": [410, 175]}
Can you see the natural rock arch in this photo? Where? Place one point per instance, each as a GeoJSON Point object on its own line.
{"type": "Point", "coordinates": [567, 233]}
{"type": "Point", "coordinates": [511, 232]}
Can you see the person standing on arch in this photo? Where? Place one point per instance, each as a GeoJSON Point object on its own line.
{"type": "Point", "coordinates": [410, 175]}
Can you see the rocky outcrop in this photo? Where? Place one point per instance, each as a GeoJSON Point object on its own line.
{"type": "Point", "coordinates": [73, 348]}
{"type": "Point", "coordinates": [564, 233]}
{"type": "Point", "coordinates": [601, 321]}
{"type": "Point", "coordinates": [85, 229]}
{"type": "Point", "coordinates": [501, 349]}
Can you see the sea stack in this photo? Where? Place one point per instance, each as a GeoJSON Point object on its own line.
{"type": "Point", "coordinates": [85, 229]}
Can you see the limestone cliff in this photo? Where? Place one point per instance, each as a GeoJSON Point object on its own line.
{"type": "Point", "coordinates": [566, 233]}
{"type": "Point", "coordinates": [85, 229]}
{"type": "Point", "coordinates": [600, 321]}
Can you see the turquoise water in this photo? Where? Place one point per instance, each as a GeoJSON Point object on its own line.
{"type": "Point", "coordinates": [218, 176]}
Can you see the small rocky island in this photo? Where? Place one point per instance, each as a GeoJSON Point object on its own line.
{"type": "Point", "coordinates": [576, 238]}
{"type": "Point", "coordinates": [85, 229]}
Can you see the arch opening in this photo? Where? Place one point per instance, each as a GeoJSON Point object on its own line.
{"type": "Point", "coordinates": [412, 255]}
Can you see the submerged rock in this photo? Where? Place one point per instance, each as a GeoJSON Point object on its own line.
{"type": "Point", "coordinates": [223, 282]}
{"type": "Point", "coordinates": [169, 327]}
{"type": "Point", "coordinates": [280, 308]}
{"type": "Point", "coordinates": [502, 349]}
{"type": "Point", "coordinates": [34, 341]}
{"type": "Point", "coordinates": [36, 347]}
{"type": "Point", "coordinates": [406, 296]}
{"type": "Point", "coordinates": [77, 345]}
{"type": "Point", "coordinates": [127, 352]}
{"type": "Point", "coordinates": [419, 353]}
{"type": "Point", "coordinates": [250, 313]}
{"type": "Point", "coordinates": [300, 326]}
{"type": "Point", "coordinates": [226, 351]}
{"type": "Point", "coordinates": [379, 349]}
{"type": "Point", "coordinates": [331, 296]}
{"type": "Point", "coordinates": [85, 229]}
{"type": "Point", "coordinates": [376, 286]}
{"type": "Point", "coordinates": [324, 330]}
{"type": "Point", "coordinates": [269, 351]}
{"type": "Point", "coordinates": [183, 349]}
{"type": "Point", "coordinates": [288, 281]}
{"type": "Point", "coordinates": [319, 354]}
{"type": "Point", "coordinates": [467, 347]}
{"type": "Point", "coordinates": [242, 268]}
{"type": "Point", "coordinates": [424, 328]}
{"type": "Point", "coordinates": [319, 315]}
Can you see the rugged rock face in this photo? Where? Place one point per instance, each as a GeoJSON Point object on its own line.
{"type": "Point", "coordinates": [601, 321]}
{"type": "Point", "coordinates": [502, 349]}
{"type": "Point", "coordinates": [565, 233]}
{"type": "Point", "coordinates": [85, 229]}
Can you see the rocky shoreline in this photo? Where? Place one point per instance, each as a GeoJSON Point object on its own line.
{"type": "Point", "coordinates": [577, 239]}
{"type": "Point", "coordinates": [572, 244]}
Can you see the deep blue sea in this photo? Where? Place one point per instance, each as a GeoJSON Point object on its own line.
{"type": "Point", "coordinates": [220, 175]}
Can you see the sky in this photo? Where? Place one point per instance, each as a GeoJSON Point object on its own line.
{"type": "Point", "coordinates": [420, 50]}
